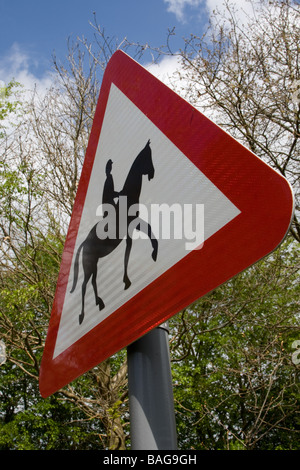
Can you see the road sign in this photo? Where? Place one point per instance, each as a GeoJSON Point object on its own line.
{"type": "Point", "coordinates": [169, 207]}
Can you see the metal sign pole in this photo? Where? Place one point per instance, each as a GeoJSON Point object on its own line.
{"type": "Point", "coordinates": [152, 416]}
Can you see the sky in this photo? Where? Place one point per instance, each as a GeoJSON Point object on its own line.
{"type": "Point", "coordinates": [32, 31]}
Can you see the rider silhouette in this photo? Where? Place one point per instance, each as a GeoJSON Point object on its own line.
{"type": "Point", "coordinates": [109, 193]}
{"type": "Point", "coordinates": [95, 245]}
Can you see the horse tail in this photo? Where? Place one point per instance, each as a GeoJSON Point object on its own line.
{"type": "Point", "coordinates": [76, 268]}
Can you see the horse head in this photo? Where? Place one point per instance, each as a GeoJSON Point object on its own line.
{"type": "Point", "coordinates": [148, 168]}
{"type": "Point", "coordinates": [142, 165]}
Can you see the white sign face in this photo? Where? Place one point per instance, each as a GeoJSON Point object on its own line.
{"type": "Point", "coordinates": [183, 207]}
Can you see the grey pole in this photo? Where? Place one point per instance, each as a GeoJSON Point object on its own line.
{"type": "Point", "coordinates": [151, 403]}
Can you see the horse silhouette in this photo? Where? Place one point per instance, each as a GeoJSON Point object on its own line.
{"type": "Point", "coordinates": [94, 247]}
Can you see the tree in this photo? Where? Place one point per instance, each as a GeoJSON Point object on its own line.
{"type": "Point", "coordinates": [245, 72]}
{"type": "Point", "coordinates": [9, 104]}
{"type": "Point", "coordinates": [235, 383]}
{"type": "Point", "coordinates": [40, 169]}
{"type": "Point", "coordinates": [242, 391]}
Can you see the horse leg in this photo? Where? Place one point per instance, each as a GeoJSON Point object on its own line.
{"type": "Point", "coordinates": [83, 290]}
{"type": "Point", "coordinates": [127, 253]}
{"type": "Point", "coordinates": [146, 228]}
{"type": "Point", "coordinates": [89, 268]}
{"type": "Point", "coordinates": [98, 299]}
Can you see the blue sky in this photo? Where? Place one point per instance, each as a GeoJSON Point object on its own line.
{"type": "Point", "coordinates": [32, 30]}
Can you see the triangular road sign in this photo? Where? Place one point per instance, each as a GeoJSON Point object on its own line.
{"type": "Point", "coordinates": [212, 206]}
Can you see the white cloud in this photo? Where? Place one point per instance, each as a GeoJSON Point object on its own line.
{"type": "Point", "coordinates": [18, 64]}
{"type": "Point", "coordinates": [171, 72]}
{"type": "Point", "coordinates": [243, 9]}
{"type": "Point", "coordinates": [165, 69]}
{"type": "Point", "coordinates": [178, 7]}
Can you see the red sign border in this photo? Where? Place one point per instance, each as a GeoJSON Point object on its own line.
{"type": "Point", "coordinates": [263, 196]}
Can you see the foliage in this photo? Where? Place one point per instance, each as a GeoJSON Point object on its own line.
{"type": "Point", "coordinates": [242, 389]}
{"type": "Point", "coordinates": [237, 385]}
{"type": "Point", "coordinates": [10, 104]}
{"type": "Point", "coordinates": [29, 423]}
{"type": "Point", "coordinates": [39, 170]}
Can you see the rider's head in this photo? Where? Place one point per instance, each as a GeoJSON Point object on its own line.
{"type": "Point", "coordinates": [108, 167]}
